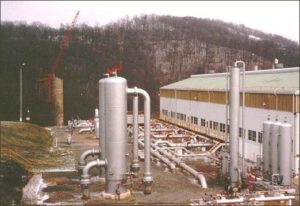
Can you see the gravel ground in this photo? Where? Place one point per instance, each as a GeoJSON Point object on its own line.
{"type": "Point", "coordinates": [168, 188]}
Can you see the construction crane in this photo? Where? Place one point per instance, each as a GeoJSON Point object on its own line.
{"type": "Point", "coordinates": [48, 80]}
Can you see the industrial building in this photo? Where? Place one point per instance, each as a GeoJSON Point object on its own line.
{"type": "Point", "coordinates": [200, 103]}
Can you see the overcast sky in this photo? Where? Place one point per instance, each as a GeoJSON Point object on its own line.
{"type": "Point", "coordinates": [276, 17]}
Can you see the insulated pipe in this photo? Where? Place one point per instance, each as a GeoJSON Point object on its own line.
{"type": "Point", "coordinates": [147, 178]}
{"type": "Point", "coordinates": [85, 155]}
{"type": "Point", "coordinates": [135, 162]}
{"type": "Point", "coordinates": [234, 123]}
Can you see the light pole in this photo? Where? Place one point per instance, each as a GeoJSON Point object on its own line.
{"type": "Point", "coordinates": [21, 98]}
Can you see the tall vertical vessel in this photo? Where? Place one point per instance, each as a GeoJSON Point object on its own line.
{"type": "Point", "coordinates": [234, 123]}
{"type": "Point", "coordinates": [274, 139]}
{"type": "Point", "coordinates": [266, 145]}
{"type": "Point", "coordinates": [115, 100]}
{"type": "Point", "coordinates": [101, 131]}
{"type": "Point", "coordinates": [285, 148]}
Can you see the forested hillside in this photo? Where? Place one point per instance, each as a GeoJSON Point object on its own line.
{"type": "Point", "coordinates": [154, 51]}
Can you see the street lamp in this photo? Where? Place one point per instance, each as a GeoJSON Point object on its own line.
{"type": "Point", "coordinates": [21, 119]}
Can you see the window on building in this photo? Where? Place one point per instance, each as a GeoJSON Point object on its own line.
{"type": "Point", "coordinates": [260, 137]}
{"type": "Point", "coordinates": [210, 124]}
{"type": "Point", "coordinates": [203, 122]}
{"type": "Point", "coordinates": [216, 126]}
{"type": "Point", "coordinates": [184, 117]}
{"type": "Point", "coordinates": [173, 114]}
{"type": "Point", "coordinates": [165, 112]}
{"type": "Point", "coordinates": [241, 132]}
{"type": "Point", "coordinates": [252, 135]}
{"type": "Point", "coordinates": [196, 120]}
{"type": "Point", "coordinates": [222, 127]}
{"type": "Point", "coordinates": [178, 115]}
{"type": "Point", "coordinates": [228, 128]}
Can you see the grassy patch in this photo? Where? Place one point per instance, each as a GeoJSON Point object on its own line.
{"type": "Point", "coordinates": [31, 144]}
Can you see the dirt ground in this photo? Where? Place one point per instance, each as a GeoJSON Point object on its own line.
{"type": "Point", "coordinates": [167, 189]}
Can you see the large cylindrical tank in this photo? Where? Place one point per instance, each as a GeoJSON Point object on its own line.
{"type": "Point", "coordinates": [234, 123]}
{"type": "Point", "coordinates": [285, 151]}
{"type": "Point", "coordinates": [266, 145]}
{"type": "Point", "coordinates": [115, 101]}
{"type": "Point", "coordinates": [101, 131]}
{"type": "Point", "coordinates": [274, 140]}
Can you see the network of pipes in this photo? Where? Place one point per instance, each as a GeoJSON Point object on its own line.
{"type": "Point", "coordinates": [173, 149]}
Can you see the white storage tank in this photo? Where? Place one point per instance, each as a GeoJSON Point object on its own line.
{"type": "Point", "coordinates": [266, 145]}
{"type": "Point", "coordinates": [285, 150]}
{"type": "Point", "coordinates": [274, 138]}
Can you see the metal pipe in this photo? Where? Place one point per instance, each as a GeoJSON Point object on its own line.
{"type": "Point", "coordinates": [296, 143]}
{"type": "Point", "coordinates": [85, 180]}
{"type": "Point", "coordinates": [135, 162]}
{"type": "Point", "coordinates": [159, 156]}
{"type": "Point", "coordinates": [234, 123]}
{"type": "Point", "coordinates": [182, 144]}
{"type": "Point", "coordinates": [227, 112]}
{"type": "Point", "coordinates": [278, 198]}
{"type": "Point", "coordinates": [147, 177]}
{"type": "Point", "coordinates": [85, 155]}
{"type": "Point", "coordinates": [227, 201]}
{"type": "Point", "coordinates": [184, 166]}
{"type": "Point", "coordinates": [243, 112]}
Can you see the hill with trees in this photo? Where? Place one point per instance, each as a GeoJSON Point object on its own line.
{"type": "Point", "coordinates": [154, 51]}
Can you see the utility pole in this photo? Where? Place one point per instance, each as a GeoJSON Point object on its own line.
{"type": "Point", "coordinates": [21, 94]}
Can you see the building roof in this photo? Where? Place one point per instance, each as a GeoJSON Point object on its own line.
{"type": "Point", "coordinates": [279, 81]}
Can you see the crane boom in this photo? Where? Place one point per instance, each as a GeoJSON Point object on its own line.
{"type": "Point", "coordinates": [48, 80]}
{"type": "Point", "coordinates": [64, 44]}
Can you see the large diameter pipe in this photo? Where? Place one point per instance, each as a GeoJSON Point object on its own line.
{"type": "Point", "coordinates": [234, 123]}
{"type": "Point", "coordinates": [285, 150]}
{"type": "Point", "coordinates": [135, 162]}
{"type": "Point", "coordinates": [266, 145]}
{"type": "Point", "coordinates": [115, 102]}
{"type": "Point", "coordinates": [147, 177]}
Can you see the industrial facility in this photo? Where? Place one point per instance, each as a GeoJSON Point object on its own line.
{"type": "Point", "coordinates": [200, 103]}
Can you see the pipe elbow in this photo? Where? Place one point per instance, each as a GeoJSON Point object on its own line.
{"type": "Point", "coordinates": [90, 165]}
{"type": "Point", "coordinates": [91, 152]}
